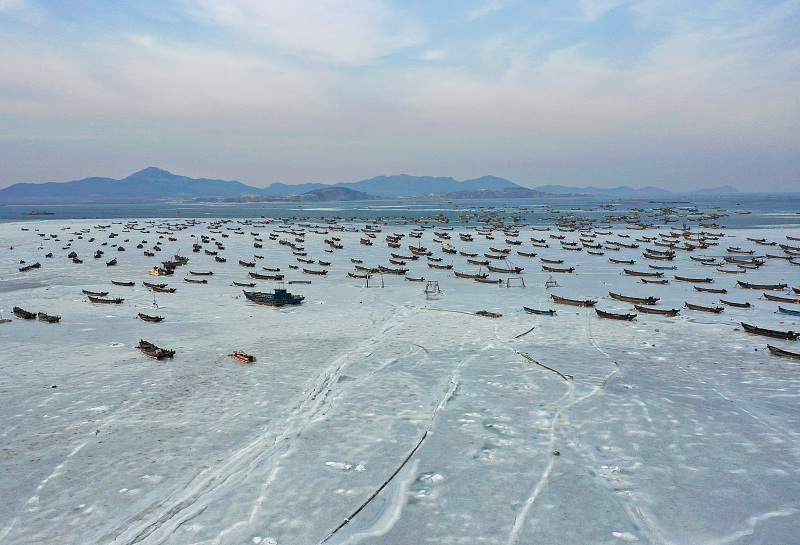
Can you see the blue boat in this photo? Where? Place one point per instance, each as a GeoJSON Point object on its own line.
{"type": "Point", "coordinates": [788, 311]}
{"type": "Point", "coordinates": [672, 268]}
{"type": "Point", "coordinates": [278, 298]}
{"type": "Point", "coordinates": [549, 312]}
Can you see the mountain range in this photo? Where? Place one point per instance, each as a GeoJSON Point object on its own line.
{"type": "Point", "coordinates": [155, 184]}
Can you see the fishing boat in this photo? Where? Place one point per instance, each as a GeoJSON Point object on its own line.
{"type": "Point", "coordinates": [195, 273]}
{"type": "Point", "coordinates": [614, 316]}
{"type": "Point", "coordinates": [43, 317]}
{"type": "Point", "coordinates": [95, 293]}
{"type": "Point", "coordinates": [549, 312]}
{"type": "Point", "coordinates": [778, 287]}
{"type": "Point", "coordinates": [259, 276]}
{"type": "Point", "coordinates": [781, 352]}
{"type": "Point", "coordinates": [470, 276]}
{"type": "Point", "coordinates": [148, 318]}
{"type": "Point", "coordinates": [711, 290]}
{"type": "Point", "coordinates": [558, 269]}
{"type": "Point", "coordinates": [391, 270]}
{"type": "Point", "coordinates": [164, 289]}
{"type": "Point", "coordinates": [666, 268]}
{"type": "Point", "coordinates": [435, 266]}
{"type": "Point", "coordinates": [195, 281]}
{"type": "Point", "coordinates": [736, 304]}
{"type": "Point", "coordinates": [115, 301]}
{"type": "Point", "coordinates": [505, 270]}
{"type": "Point", "coordinates": [551, 261]}
{"type": "Point", "coordinates": [573, 302]}
{"type": "Point", "coordinates": [24, 314]}
{"type": "Point", "coordinates": [245, 284]}
{"type": "Point", "coordinates": [715, 310]}
{"type": "Point", "coordinates": [788, 311]}
{"type": "Point", "coordinates": [650, 281]}
{"type": "Point", "coordinates": [790, 335]}
{"type": "Point", "coordinates": [696, 280]}
{"type": "Point", "coordinates": [246, 263]}
{"type": "Point", "coordinates": [420, 279]}
{"type": "Point", "coordinates": [118, 283]}
{"type": "Point", "coordinates": [621, 261]}
{"type": "Point", "coordinates": [639, 300]}
{"type": "Point", "coordinates": [278, 298]}
{"type": "Point", "coordinates": [641, 273]}
{"type": "Point", "coordinates": [318, 273]}
{"type": "Point", "coordinates": [153, 351]}
{"type": "Point", "coordinates": [660, 311]}
{"type": "Point", "coordinates": [243, 356]}
{"type": "Point", "coordinates": [779, 299]}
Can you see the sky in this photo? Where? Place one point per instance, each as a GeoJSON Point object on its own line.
{"type": "Point", "coordinates": [676, 94]}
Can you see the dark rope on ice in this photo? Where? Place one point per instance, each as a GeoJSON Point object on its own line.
{"type": "Point", "coordinates": [521, 334]}
{"type": "Point", "coordinates": [559, 373]}
{"type": "Point", "coordinates": [419, 345]}
{"type": "Point", "coordinates": [447, 310]}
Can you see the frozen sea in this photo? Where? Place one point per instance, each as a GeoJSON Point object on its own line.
{"type": "Point", "coordinates": [380, 414]}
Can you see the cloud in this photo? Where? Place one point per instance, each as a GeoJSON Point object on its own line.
{"type": "Point", "coordinates": [346, 32]}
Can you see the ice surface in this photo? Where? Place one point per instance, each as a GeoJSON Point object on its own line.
{"type": "Point", "coordinates": [374, 415]}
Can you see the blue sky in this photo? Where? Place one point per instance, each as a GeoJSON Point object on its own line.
{"type": "Point", "coordinates": [677, 94]}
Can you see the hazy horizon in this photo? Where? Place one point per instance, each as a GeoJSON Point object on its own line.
{"type": "Point", "coordinates": [590, 93]}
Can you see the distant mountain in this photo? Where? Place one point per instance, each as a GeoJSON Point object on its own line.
{"type": "Point", "coordinates": [282, 190]}
{"type": "Point", "coordinates": [403, 185]}
{"type": "Point", "coordinates": [150, 184]}
{"type": "Point", "coordinates": [327, 194]}
{"type": "Point", "coordinates": [505, 193]}
{"type": "Point", "coordinates": [629, 192]}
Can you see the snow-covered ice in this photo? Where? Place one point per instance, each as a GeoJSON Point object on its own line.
{"type": "Point", "coordinates": [374, 415]}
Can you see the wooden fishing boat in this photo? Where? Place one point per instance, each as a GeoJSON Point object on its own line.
{"type": "Point", "coordinates": [779, 287]}
{"type": "Point", "coordinates": [219, 259]}
{"type": "Point", "coordinates": [551, 261]}
{"type": "Point", "coordinates": [790, 335]}
{"type": "Point", "coordinates": [118, 283]}
{"type": "Point", "coordinates": [660, 311]}
{"type": "Point", "coordinates": [711, 290]}
{"type": "Point", "coordinates": [116, 301]}
{"type": "Point", "coordinates": [396, 256]}
{"type": "Point", "coordinates": [243, 356]}
{"type": "Point", "coordinates": [247, 263]}
{"type": "Point", "coordinates": [193, 281]}
{"type": "Point", "coordinates": [783, 353]}
{"type": "Point", "coordinates": [44, 317]}
{"type": "Point", "coordinates": [614, 316]}
{"type": "Point", "coordinates": [488, 280]}
{"type": "Point", "coordinates": [665, 268]}
{"type": "Point", "coordinates": [259, 276]}
{"type": "Point", "coordinates": [278, 298]}
{"type": "Point", "coordinates": [715, 310]}
{"type": "Point", "coordinates": [695, 280]}
{"type": "Point", "coordinates": [195, 273]}
{"type": "Point", "coordinates": [621, 261]}
{"type": "Point", "coordinates": [391, 270]}
{"type": "Point", "coordinates": [245, 284]}
{"type": "Point", "coordinates": [30, 267]}
{"type": "Point", "coordinates": [558, 269]}
{"type": "Point", "coordinates": [24, 314]}
{"type": "Point", "coordinates": [153, 351]}
{"type": "Point", "coordinates": [420, 279]}
{"type": "Point", "coordinates": [526, 254]}
{"type": "Point", "coordinates": [151, 285]}
{"type": "Point", "coordinates": [573, 302]}
{"type": "Point", "coordinates": [641, 273]}
{"type": "Point", "coordinates": [651, 281]}
{"type": "Point", "coordinates": [111, 263]}
{"type": "Point", "coordinates": [780, 299]}
{"type": "Point", "coordinates": [796, 290]}
{"type": "Point", "coordinates": [702, 259]}
{"type": "Point", "coordinates": [467, 254]}
{"type": "Point", "coordinates": [95, 293]}
{"type": "Point", "coordinates": [639, 300]}
{"type": "Point", "coordinates": [478, 262]}
{"type": "Point", "coordinates": [505, 270]}
{"type": "Point", "coordinates": [148, 318]}
{"type": "Point", "coordinates": [470, 276]}
{"type": "Point", "coordinates": [549, 312]}
{"type": "Point", "coordinates": [735, 304]}
{"type": "Point", "coordinates": [311, 271]}
{"type": "Point", "coordinates": [436, 266]}
{"type": "Point", "coordinates": [164, 290]}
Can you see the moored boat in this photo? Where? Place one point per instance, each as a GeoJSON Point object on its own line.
{"type": "Point", "coordinates": [573, 302]}
{"type": "Point", "coordinates": [779, 299]}
{"type": "Point", "coordinates": [661, 311]}
{"type": "Point", "coordinates": [115, 301]}
{"type": "Point", "coordinates": [735, 304]}
{"type": "Point", "coordinates": [153, 351]}
{"type": "Point", "coordinates": [44, 317]}
{"type": "Point", "coordinates": [278, 298]}
{"type": "Point", "coordinates": [781, 352]}
{"type": "Point", "coordinates": [701, 308]}
{"type": "Point", "coordinates": [613, 315]}
{"type": "Point", "coordinates": [791, 335]}
{"type": "Point", "coordinates": [148, 318]}
{"type": "Point", "coordinates": [243, 356]}
{"type": "Point", "coordinates": [24, 314]}
{"type": "Point", "coordinates": [549, 312]}
{"type": "Point", "coordinates": [639, 300]}
{"type": "Point", "coordinates": [748, 285]}
{"type": "Point", "coordinates": [789, 311]}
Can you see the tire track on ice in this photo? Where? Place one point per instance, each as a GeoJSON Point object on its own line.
{"type": "Point", "coordinates": [569, 401]}
{"type": "Point", "coordinates": [157, 524]}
